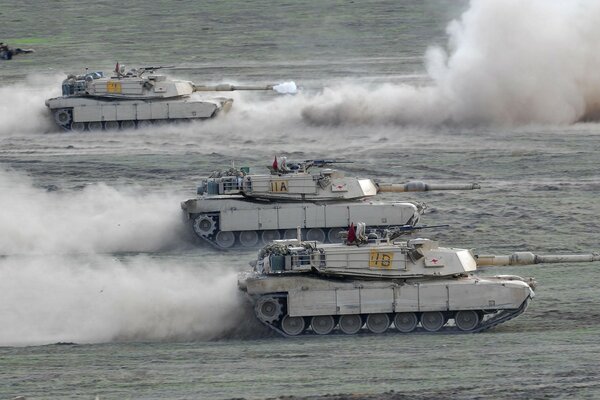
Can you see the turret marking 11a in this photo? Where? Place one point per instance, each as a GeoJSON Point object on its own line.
{"type": "Point", "coordinates": [279, 186]}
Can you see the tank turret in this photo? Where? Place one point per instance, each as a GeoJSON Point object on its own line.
{"type": "Point", "coordinates": [415, 285]}
{"type": "Point", "coordinates": [296, 182]}
{"type": "Point", "coordinates": [134, 98]}
{"type": "Point", "coordinates": [235, 206]}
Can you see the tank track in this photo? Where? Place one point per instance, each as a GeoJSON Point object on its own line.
{"type": "Point", "coordinates": [212, 239]}
{"type": "Point", "coordinates": [498, 317]}
{"type": "Point", "coordinates": [64, 118]}
{"type": "Point", "coordinates": [207, 228]}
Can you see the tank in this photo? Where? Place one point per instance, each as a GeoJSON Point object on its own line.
{"type": "Point", "coordinates": [136, 98]}
{"type": "Point", "coordinates": [235, 207]}
{"type": "Point", "coordinates": [304, 287]}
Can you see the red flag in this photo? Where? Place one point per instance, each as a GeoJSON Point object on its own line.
{"type": "Point", "coordinates": [275, 164]}
{"type": "Point", "coordinates": [351, 234]}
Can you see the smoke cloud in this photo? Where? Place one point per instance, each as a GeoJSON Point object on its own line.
{"type": "Point", "coordinates": [507, 62]}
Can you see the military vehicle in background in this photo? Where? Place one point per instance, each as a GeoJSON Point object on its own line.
{"type": "Point", "coordinates": [137, 98]}
{"type": "Point", "coordinates": [302, 287]}
{"type": "Point", "coordinates": [7, 53]}
{"type": "Point", "coordinates": [236, 207]}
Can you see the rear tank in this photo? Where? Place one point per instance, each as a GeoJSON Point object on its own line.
{"type": "Point", "coordinates": [235, 207]}
{"type": "Point", "coordinates": [304, 287]}
{"type": "Point", "coordinates": [134, 98]}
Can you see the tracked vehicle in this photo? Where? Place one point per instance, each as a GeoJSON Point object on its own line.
{"type": "Point", "coordinates": [305, 287]}
{"type": "Point", "coordinates": [236, 207]}
{"type": "Point", "coordinates": [136, 98]}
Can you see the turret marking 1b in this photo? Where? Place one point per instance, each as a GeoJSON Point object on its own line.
{"type": "Point", "coordinates": [279, 186]}
{"type": "Point", "coordinates": [381, 260]}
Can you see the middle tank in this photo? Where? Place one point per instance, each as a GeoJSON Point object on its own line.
{"type": "Point", "coordinates": [235, 207]}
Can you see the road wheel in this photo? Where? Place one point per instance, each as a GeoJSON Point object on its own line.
{"type": "Point", "coordinates": [378, 323]}
{"type": "Point", "coordinates": [269, 236]}
{"type": "Point", "coordinates": [292, 325]}
{"type": "Point", "coordinates": [315, 234]}
{"type": "Point", "coordinates": [95, 126]}
{"type": "Point", "coordinates": [225, 239]}
{"type": "Point", "coordinates": [248, 238]}
{"type": "Point", "coordinates": [466, 320]}
{"type": "Point", "coordinates": [432, 321]}
{"type": "Point", "coordinates": [350, 324]}
{"type": "Point", "coordinates": [322, 324]}
{"type": "Point", "coordinates": [406, 322]}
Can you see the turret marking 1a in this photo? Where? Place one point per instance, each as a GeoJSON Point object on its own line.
{"type": "Point", "coordinates": [381, 260]}
{"type": "Point", "coordinates": [113, 87]}
{"type": "Point", "coordinates": [279, 186]}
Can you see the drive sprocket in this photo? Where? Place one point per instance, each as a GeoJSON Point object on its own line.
{"type": "Point", "coordinates": [268, 309]}
{"type": "Point", "coordinates": [205, 225]}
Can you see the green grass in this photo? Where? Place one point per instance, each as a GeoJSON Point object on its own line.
{"type": "Point", "coordinates": [28, 41]}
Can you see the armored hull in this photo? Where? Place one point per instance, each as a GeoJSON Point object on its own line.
{"type": "Point", "coordinates": [301, 287]}
{"type": "Point", "coordinates": [293, 305]}
{"type": "Point", "coordinates": [85, 113]}
{"type": "Point", "coordinates": [226, 221]}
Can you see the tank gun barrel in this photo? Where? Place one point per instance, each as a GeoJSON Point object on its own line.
{"type": "Point", "coordinates": [325, 162]}
{"type": "Point", "coordinates": [528, 258]}
{"type": "Point", "coordinates": [418, 186]}
{"type": "Point", "coordinates": [153, 68]}
{"type": "Point", "coordinates": [226, 87]}
{"type": "Point", "coordinates": [282, 88]}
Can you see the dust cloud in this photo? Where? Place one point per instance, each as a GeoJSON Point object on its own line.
{"type": "Point", "coordinates": [98, 219]}
{"type": "Point", "coordinates": [96, 299]}
{"type": "Point", "coordinates": [22, 105]}
{"type": "Point", "coordinates": [62, 280]}
{"type": "Point", "coordinates": [506, 62]}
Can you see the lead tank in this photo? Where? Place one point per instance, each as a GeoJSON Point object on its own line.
{"type": "Point", "coordinates": [236, 207]}
{"type": "Point", "coordinates": [304, 287]}
{"type": "Point", "coordinates": [136, 98]}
